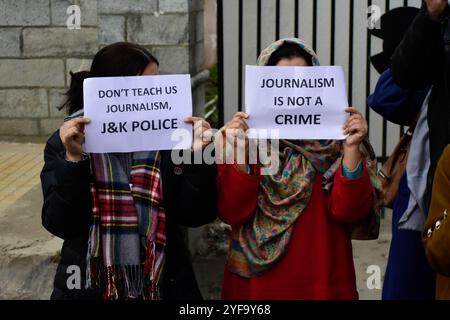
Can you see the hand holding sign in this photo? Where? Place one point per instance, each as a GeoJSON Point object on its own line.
{"type": "Point", "coordinates": [236, 138]}
{"type": "Point", "coordinates": [72, 137]}
{"type": "Point", "coordinates": [356, 127]}
{"type": "Point", "coordinates": [202, 133]}
{"type": "Point", "coordinates": [237, 127]}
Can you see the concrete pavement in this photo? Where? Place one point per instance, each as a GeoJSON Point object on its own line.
{"type": "Point", "coordinates": [27, 251]}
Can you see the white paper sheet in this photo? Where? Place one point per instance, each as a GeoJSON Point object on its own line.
{"type": "Point", "coordinates": [300, 102]}
{"type": "Point", "coordinates": [140, 113]}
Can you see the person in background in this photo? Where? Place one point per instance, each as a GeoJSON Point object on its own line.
{"type": "Point", "coordinates": [291, 235]}
{"type": "Point", "coordinates": [408, 275]}
{"type": "Point", "coordinates": [122, 215]}
{"type": "Point", "coordinates": [421, 60]}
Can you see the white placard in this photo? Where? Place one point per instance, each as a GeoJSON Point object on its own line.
{"type": "Point", "coordinates": [140, 113]}
{"type": "Point", "coordinates": [296, 102]}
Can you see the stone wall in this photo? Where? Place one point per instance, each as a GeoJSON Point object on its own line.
{"type": "Point", "coordinates": [210, 33]}
{"type": "Point", "coordinates": [38, 50]}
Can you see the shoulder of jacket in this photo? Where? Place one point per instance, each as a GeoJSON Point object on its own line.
{"type": "Point", "coordinates": [54, 143]}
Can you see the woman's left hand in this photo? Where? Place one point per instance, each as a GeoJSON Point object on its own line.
{"type": "Point", "coordinates": [355, 127]}
{"type": "Point", "coordinates": [202, 132]}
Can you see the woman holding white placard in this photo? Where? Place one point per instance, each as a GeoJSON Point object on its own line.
{"type": "Point", "coordinates": [292, 230]}
{"type": "Point", "coordinates": [122, 215]}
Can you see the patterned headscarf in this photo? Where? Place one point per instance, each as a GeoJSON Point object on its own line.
{"type": "Point", "coordinates": [262, 241]}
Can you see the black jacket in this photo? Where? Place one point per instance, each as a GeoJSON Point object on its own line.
{"type": "Point", "coordinates": [422, 60]}
{"type": "Point", "coordinates": [190, 199]}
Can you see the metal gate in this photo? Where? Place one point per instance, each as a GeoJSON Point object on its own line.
{"type": "Point", "coordinates": [337, 30]}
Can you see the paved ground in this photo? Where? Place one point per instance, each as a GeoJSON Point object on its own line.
{"type": "Point", "coordinates": [20, 165]}
{"type": "Point", "coordinates": [28, 253]}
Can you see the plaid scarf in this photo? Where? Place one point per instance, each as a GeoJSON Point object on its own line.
{"type": "Point", "coordinates": [261, 242]}
{"type": "Point", "coordinates": [127, 239]}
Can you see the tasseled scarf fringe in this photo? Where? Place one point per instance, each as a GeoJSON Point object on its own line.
{"type": "Point", "coordinates": [122, 282]}
{"type": "Point", "coordinates": [125, 282]}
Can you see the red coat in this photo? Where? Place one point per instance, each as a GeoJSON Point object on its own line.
{"type": "Point", "coordinates": [319, 261]}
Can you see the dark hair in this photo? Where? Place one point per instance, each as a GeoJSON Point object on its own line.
{"type": "Point", "coordinates": [115, 60]}
{"type": "Point", "coordinates": [289, 50]}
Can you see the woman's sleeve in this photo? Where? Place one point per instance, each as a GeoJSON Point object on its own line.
{"type": "Point", "coordinates": [196, 194]}
{"type": "Point", "coordinates": [66, 212]}
{"type": "Point", "coordinates": [397, 105]}
{"type": "Point", "coordinates": [238, 193]}
{"type": "Point", "coordinates": [350, 200]}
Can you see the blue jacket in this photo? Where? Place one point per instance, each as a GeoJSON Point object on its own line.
{"type": "Point", "coordinates": [397, 105]}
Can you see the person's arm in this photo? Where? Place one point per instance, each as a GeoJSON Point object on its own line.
{"type": "Point", "coordinates": [419, 58]}
{"type": "Point", "coordinates": [189, 191]}
{"type": "Point", "coordinates": [351, 196]}
{"type": "Point", "coordinates": [238, 193]}
{"type": "Point", "coordinates": [66, 212]}
{"type": "Point", "coordinates": [394, 103]}
{"type": "Point", "coordinates": [198, 195]}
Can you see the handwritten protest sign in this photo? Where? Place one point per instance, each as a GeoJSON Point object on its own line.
{"type": "Point", "coordinates": [139, 113]}
{"type": "Point", "coordinates": [299, 102]}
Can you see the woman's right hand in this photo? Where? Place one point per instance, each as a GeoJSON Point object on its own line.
{"type": "Point", "coordinates": [436, 8]}
{"type": "Point", "coordinates": [236, 137]}
{"type": "Point", "coordinates": [72, 137]}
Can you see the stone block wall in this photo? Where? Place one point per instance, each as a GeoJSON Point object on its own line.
{"type": "Point", "coordinates": [38, 50]}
